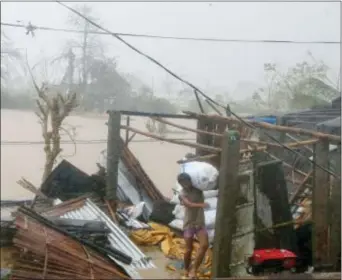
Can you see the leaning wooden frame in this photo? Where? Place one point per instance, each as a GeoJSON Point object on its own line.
{"type": "Point", "coordinates": [314, 185]}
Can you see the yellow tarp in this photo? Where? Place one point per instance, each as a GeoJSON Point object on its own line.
{"type": "Point", "coordinates": [8, 256]}
{"type": "Point", "coordinates": [173, 247]}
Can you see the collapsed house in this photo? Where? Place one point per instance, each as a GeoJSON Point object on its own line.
{"type": "Point", "coordinates": [74, 209]}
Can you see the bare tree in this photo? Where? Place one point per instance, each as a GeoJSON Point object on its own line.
{"type": "Point", "coordinates": [52, 111]}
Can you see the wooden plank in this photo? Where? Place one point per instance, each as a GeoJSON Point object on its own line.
{"type": "Point", "coordinates": [226, 208]}
{"type": "Point", "coordinates": [320, 196]}
{"type": "Point", "coordinates": [114, 148]}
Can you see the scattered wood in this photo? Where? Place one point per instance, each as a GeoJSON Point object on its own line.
{"type": "Point", "coordinates": [30, 187]}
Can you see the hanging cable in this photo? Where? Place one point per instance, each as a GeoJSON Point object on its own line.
{"type": "Point", "coordinates": [218, 40]}
{"type": "Point", "coordinates": [193, 87]}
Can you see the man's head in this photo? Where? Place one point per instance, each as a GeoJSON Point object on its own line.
{"type": "Point", "coordinates": [184, 180]}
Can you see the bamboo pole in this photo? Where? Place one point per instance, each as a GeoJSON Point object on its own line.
{"type": "Point", "coordinates": [268, 126]}
{"type": "Point", "coordinates": [189, 144]}
{"type": "Point", "coordinates": [199, 131]}
{"type": "Point", "coordinates": [177, 142]}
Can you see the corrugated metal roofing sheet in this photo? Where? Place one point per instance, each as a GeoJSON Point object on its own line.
{"type": "Point", "coordinates": [117, 238]}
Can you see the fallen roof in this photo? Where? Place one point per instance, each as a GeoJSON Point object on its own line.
{"type": "Point", "coordinates": [53, 254]}
{"type": "Point", "coordinates": [66, 181]}
{"type": "Point", "coordinates": [84, 208]}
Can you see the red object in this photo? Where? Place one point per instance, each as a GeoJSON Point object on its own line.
{"type": "Point", "coordinates": [262, 255]}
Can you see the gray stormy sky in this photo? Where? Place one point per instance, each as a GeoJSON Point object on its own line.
{"type": "Point", "coordinates": [216, 66]}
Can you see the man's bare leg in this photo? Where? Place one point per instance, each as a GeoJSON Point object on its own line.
{"type": "Point", "coordinates": [202, 237]}
{"type": "Point", "coordinates": [187, 255]}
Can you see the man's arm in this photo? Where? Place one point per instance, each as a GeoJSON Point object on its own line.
{"type": "Point", "coordinates": [187, 203]}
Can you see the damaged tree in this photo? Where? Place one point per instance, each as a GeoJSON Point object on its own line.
{"type": "Point", "coordinates": [53, 109]}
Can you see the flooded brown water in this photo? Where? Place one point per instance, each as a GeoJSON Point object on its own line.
{"type": "Point", "coordinates": [27, 160]}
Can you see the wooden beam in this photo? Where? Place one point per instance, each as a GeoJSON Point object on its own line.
{"type": "Point", "coordinates": [199, 158]}
{"type": "Point", "coordinates": [219, 135]}
{"type": "Point", "coordinates": [114, 148]}
{"type": "Point", "coordinates": [177, 142]}
{"type": "Point", "coordinates": [335, 213]}
{"type": "Point", "coordinates": [268, 126]}
{"type": "Point", "coordinates": [226, 206]}
{"type": "Point", "coordinates": [320, 196]}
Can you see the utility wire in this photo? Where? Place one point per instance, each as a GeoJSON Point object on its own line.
{"type": "Point", "coordinates": [85, 142]}
{"type": "Point", "coordinates": [194, 88]}
{"type": "Point", "coordinates": [218, 40]}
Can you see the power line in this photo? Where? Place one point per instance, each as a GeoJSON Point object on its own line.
{"type": "Point", "coordinates": [196, 88]}
{"type": "Point", "coordinates": [218, 40]}
{"type": "Point", "coordinates": [85, 142]}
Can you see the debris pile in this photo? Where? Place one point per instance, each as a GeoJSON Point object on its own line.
{"type": "Point", "coordinates": [51, 253]}
{"type": "Point", "coordinates": [69, 230]}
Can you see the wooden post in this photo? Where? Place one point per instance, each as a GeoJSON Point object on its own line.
{"type": "Point", "coordinates": [114, 148]}
{"type": "Point", "coordinates": [200, 137]}
{"type": "Point", "coordinates": [335, 216]}
{"type": "Point", "coordinates": [320, 197]}
{"type": "Point", "coordinates": [226, 208]}
{"type": "Point", "coordinates": [128, 121]}
{"type": "Point", "coordinates": [217, 142]}
{"type": "Point", "coordinates": [282, 135]}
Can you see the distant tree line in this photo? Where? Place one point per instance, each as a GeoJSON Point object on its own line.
{"type": "Point", "coordinates": [100, 86]}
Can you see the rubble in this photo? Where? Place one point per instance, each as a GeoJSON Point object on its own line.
{"type": "Point", "coordinates": [50, 252]}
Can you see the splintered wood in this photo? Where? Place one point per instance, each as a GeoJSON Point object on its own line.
{"type": "Point", "coordinates": [47, 254]}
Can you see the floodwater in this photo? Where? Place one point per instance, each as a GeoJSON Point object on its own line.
{"type": "Point", "coordinates": [19, 158]}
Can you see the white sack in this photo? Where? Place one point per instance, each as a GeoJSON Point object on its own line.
{"type": "Point", "coordinates": [203, 175]}
{"type": "Point", "coordinates": [179, 212]}
{"type": "Point", "coordinates": [176, 192]}
{"type": "Point", "coordinates": [177, 224]}
{"type": "Point", "coordinates": [135, 211]}
{"type": "Point", "coordinates": [212, 201]}
{"type": "Point", "coordinates": [211, 193]}
{"type": "Point", "coordinates": [209, 215]}
{"type": "Point", "coordinates": [211, 235]}
{"type": "Point", "coordinates": [207, 194]}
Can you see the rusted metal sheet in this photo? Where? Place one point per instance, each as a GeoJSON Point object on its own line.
{"type": "Point", "coordinates": [49, 254]}
{"type": "Point", "coordinates": [87, 210]}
